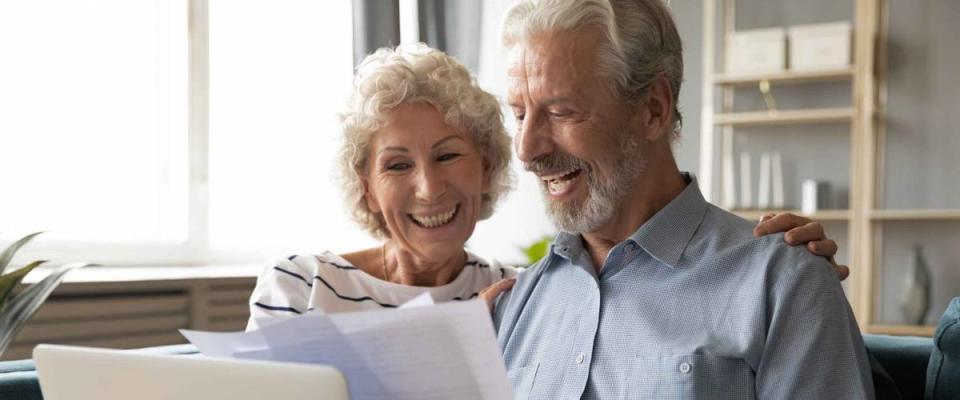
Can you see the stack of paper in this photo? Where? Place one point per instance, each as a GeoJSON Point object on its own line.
{"type": "Point", "coordinates": [445, 351]}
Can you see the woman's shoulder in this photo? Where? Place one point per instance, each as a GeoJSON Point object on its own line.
{"type": "Point", "coordinates": [494, 268]}
{"type": "Point", "coordinates": [310, 264]}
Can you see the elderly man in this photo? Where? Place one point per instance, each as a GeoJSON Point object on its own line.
{"type": "Point", "coordinates": [649, 292]}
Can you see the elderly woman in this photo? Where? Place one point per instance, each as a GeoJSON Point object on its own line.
{"type": "Point", "coordinates": [425, 156]}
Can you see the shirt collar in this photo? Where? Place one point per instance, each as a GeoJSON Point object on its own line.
{"type": "Point", "coordinates": [664, 236]}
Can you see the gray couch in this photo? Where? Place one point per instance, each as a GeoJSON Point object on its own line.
{"type": "Point", "coordinates": [903, 367]}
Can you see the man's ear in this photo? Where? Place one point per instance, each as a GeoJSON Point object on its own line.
{"type": "Point", "coordinates": [656, 115]}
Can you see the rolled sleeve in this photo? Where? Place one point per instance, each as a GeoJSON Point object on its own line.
{"type": "Point", "coordinates": [278, 294]}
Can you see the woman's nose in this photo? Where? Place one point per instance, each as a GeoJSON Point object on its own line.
{"type": "Point", "coordinates": [431, 184]}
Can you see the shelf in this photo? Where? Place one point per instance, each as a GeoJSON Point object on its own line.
{"type": "Point", "coordinates": [825, 215]}
{"type": "Point", "coordinates": [789, 77]}
{"type": "Point", "coordinates": [913, 215]}
{"type": "Point", "coordinates": [902, 330]}
{"type": "Point", "coordinates": [780, 117]}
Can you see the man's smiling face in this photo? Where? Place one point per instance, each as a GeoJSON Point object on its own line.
{"type": "Point", "coordinates": [575, 131]}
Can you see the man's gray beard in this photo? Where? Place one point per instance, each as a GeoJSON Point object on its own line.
{"type": "Point", "coordinates": [603, 198]}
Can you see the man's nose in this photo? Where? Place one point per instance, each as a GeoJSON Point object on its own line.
{"type": "Point", "coordinates": [534, 139]}
{"type": "Point", "coordinates": [430, 184]}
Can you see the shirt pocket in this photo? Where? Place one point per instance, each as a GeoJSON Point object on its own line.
{"type": "Point", "coordinates": [693, 376]}
{"type": "Point", "coordinates": [522, 380]}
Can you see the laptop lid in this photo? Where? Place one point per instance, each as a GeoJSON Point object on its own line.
{"type": "Point", "coordinates": [81, 373]}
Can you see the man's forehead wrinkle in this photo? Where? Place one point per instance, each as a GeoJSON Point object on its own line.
{"type": "Point", "coordinates": [519, 74]}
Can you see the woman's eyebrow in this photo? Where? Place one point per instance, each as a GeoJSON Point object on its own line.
{"type": "Point", "coordinates": [441, 141]}
{"type": "Point", "coordinates": [393, 148]}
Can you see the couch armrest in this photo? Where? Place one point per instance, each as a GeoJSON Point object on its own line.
{"type": "Point", "coordinates": [904, 359]}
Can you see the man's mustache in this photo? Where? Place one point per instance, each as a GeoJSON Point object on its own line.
{"type": "Point", "coordinates": [555, 161]}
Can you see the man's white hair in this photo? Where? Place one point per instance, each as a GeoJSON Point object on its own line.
{"type": "Point", "coordinates": [641, 41]}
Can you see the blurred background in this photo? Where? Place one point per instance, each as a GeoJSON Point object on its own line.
{"type": "Point", "coordinates": [182, 143]}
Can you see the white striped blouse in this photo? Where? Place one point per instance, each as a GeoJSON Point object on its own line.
{"type": "Point", "coordinates": [327, 282]}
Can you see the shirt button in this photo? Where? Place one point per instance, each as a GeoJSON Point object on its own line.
{"type": "Point", "coordinates": [580, 358]}
{"type": "Point", "coordinates": [685, 368]}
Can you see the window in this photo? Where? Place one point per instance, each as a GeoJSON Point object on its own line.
{"type": "Point", "coordinates": [92, 119]}
{"type": "Point", "coordinates": [280, 71]}
{"type": "Point", "coordinates": [95, 116]}
{"type": "Point", "coordinates": [193, 131]}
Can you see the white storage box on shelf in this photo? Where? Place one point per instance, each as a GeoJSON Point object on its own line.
{"type": "Point", "coordinates": [756, 51]}
{"type": "Point", "coordinates": [820, 46]}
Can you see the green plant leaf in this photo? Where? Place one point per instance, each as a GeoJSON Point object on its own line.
{"type": "Point", "coordinates": [10, 281]}
{"type": "Point", "coordinates": [15, 313]}
{"type": "Point", "coordinates": [8, 254]}
{"type": "Point", "coordinates": [537, 250]}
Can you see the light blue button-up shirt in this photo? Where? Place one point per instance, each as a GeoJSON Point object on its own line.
{"type": "Point", "coordinates": [691, 306]}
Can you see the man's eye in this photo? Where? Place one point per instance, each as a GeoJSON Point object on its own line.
{"type": "Point", "coordinates": [520, 117]}
{"type": "Point", "coordinates": [398, 167]}
{"type": "Point", "coordinates": [560, 114]}
{"type": "Point", "coordinates": [448, 157]}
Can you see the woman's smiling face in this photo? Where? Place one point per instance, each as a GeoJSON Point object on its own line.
{"type": "Point", "coordinates": [426, 179]}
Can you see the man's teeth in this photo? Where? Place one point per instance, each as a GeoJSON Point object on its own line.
{"type": "Point", "coordinates": [558, 186]}
{"type": "Point", "coordinates": [549, 178]}
{"type": "Point", "coordinates": [434, 221]}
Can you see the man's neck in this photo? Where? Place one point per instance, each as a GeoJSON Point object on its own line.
{"type": "Point", "coordinates": [654, 188]}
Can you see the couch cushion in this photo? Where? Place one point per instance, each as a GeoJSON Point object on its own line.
{"type": "Point", "coordinates": [943, 372]}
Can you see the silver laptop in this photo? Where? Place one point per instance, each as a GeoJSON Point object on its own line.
{"type": "Point", "coordinates": [82, 373]}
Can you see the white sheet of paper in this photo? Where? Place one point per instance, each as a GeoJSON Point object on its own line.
{"type": "Point", "coordinates": [423, 300]}
{"type": "Point", "coordinates": [445, 351]}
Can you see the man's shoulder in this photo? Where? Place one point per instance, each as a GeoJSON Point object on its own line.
{"type": "Point", "coordinates": [727, 236]}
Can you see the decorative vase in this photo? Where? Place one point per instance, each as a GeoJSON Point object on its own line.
{"type": "Point", "coordinates": [916, 294]}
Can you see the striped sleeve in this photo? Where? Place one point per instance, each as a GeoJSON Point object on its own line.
{"type": "Point", "coordinates": [280, 292]}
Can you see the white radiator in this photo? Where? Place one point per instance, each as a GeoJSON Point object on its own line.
{"type": "Point", "coordinates": [134, 314]}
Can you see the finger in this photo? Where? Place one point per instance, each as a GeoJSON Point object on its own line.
{"type": "Point", "coordinates": [780, 223]}
{"type": "Point", "coordinates": [491, 292]}
{"type": "Point", "coordinates": [812, 231]}
{"type": "Point", "coordinates": [766, 217]}
{"type": "Point", "coordinates": [842, 271]}
{"type": "Point", "coordinates": [827, 248]}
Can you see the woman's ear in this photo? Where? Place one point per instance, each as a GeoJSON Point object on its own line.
{"type": "Point", "coordinates": [372, 204]}
{"type": "Point", "coordinates": [487, 177]}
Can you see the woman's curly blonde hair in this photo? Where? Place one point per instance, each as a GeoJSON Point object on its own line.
{"type": "Point", "coordinates": [417, 73]}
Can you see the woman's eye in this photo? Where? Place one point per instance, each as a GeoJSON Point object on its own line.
{"type": "Point", "coordinates": [398, 167]}
{"type": "Point", "coordinates": [520, 117]}
{"type": "Point", "coordinates": [448, 157]}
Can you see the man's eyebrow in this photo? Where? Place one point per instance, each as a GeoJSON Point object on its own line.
{"type": "Point", "coordinates": [555, 100]}
{"type": "Point", "coordinates": [546, 102]}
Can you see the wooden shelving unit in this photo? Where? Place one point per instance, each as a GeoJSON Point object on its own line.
{"type": "Point", "coordinates": [866, 216]}
{"type": "Point", "coordinates": [788, 77]}
{"type": "Point", "coordinates": [823, 215]}
{"type": "Point", "coordinates": [786, 117]}
{"type": "Point", "coordinates": [902, 330]}
{"type": "Point", "coordinates": [915, 215]}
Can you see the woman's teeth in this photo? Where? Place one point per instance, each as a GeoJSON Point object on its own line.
{"type": "Point", "coordinates": [434, 221]}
